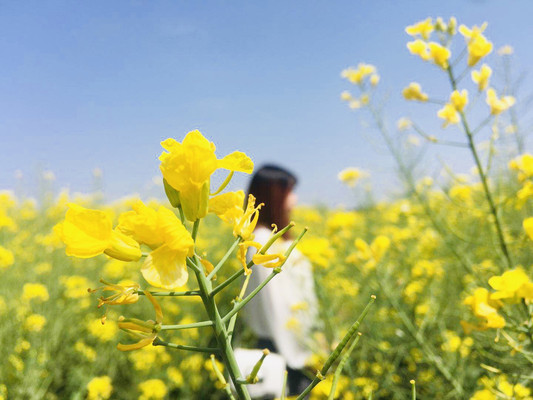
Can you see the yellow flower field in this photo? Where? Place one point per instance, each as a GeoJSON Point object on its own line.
{"type": "Point", "coordinates": [117, 301]}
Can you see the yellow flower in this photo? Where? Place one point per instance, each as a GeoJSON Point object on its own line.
{"type": "Point", "coordinates": [420, 48]}
{"type": "Point", "coordinates": [528, 227]}
{"type": "Point", "coordinates": [125, 294]}
{"type": "Point", "coordinates": [6, 258]}
{"type": "Point", "coordinates": [351, 175]}
{"type": "Point", "coordinates": [482, 77]}
{"type": "Point", "coordinates": [357, 75]}
{"type": "Point", "coordinates": [484, 307]}
{"type": "Point", "coordinates": [34, 323]}
{"type": "Point", "coordinates": [99, 388]}
{"type": "Point", "coordinates": [524, 165]}
{"type": "Point", "coordinates": [88, 233]}
{"type": "Point", "coordinates": [512, 284]}
{"type": "Point", "coordinates": [188, 167]}
{"type": "Point", "coordinates": [459, 99]}
{"type": "Point", "coordinates": [449, 114]}
{"type": "Point", "coordinates": [146, 331]}
{"type": "Point", "coordinates": [346, 96]}
{"type": "Point", "coordinates": [166, 266]}
{"type": "Point", "coordinates": [439, 54]}
{"type": "Point", "coordinates": [32, 291]}
{"type": "Point", "coordinates": [105, 331]}
{"type": "Point", "coordinates": [498, 105]}
{"type": "Point", "coordinates": [505, 50]}
{"type": "Point", "coordinates": [229, 208]}
{"type": "Point", "coordinates": [152, 389]}
{"type": "Point", "coordinates": [414, 92]}
{"type": "Point", "coordinates": [478, 45]}
{"type": "Point", "coordinates": [422, 28]}
{"type": "Point", "coordinates": [374, 79]}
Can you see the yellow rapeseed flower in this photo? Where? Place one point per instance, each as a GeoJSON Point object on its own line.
{"type": "Point", "coordinates": [188, 167]}
{"type": "Point", "coordinates": [6, 258]}
{"type": "Point", "coordinates": [498, 105]}
{"type": "Point", "coordinates": [477, 44]}
{"type": "Point", "coordinates": [422, 28]}
{"type": "Point", "coordinates": [88, 233]}
{"type": "Point", "coordinates": [449, 114]}
{"type": "Point", "coordinates": [166, 266]}
{"type": "Point", "coordinates": [351, 175]}
{"type": "Point", "coordinates": [34, 323]}
{"type": "Point", "coordinates": [357, 75]}
{"type": "Point", "coordinates": [484, 307]}
{"type": "Point", "coordinates": [414, 92]}
{"type": "Point", "coordinates": [419, 48]}
{"type": "Point", "coordinates": [229, 207]}
{"type": "Point", "coordinates": [99, 388]}
{"type": "Point", "coordinates": [511, 285]}
{"type": "Point", "coordinates": [523, 164]}
{"type": "Point", "coordinates": [482, 77]}
{"type": "Point", "coordinates": [505, 50]}
{"type": "Point", "coordinates": [439, 54]}
{"type": "Point", "coordinates": [459, 99]}
{"type": "Point", "coordinates": [36, 291]}
{"type": "Point", "coordinates": [152, 389]}
{"type": "Point", "coordinates": [528, 227]}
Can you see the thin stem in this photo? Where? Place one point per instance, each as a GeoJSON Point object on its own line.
{"type": "Point", "coordinates": [340, 367]}
{"type": "Point", "coordinates": [483, 177]}
{"type": "Point", "coordinates": [159, 342]}
{"type": "Point", "coordinates": [182, 215]}
{"type": "Point", "coordinates": [186, 293]}
{"type": "Point", "coordinates": [238, 306]}
{"type": "Point", "coordinates": [263, 250]}
{"type": "Point", "coordinates": [336, 353]}
{"type": "Point", "coordinates": [224, 259]}
{"type": "Point", "coordinates": [186, 326]}
{"type": "Point", "coordinates": [195, 229]}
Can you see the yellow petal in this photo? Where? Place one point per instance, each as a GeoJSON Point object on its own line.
{"type": "Point", "coordinates": [227, 206]}
{"type": "Point", "coordinates": [238, 162]}
{"type": "Point", "coordinates": [141, 343]}
{"type": "Point", "coordinates": [86, 232]}
{"type": "Point", "coordinates": [123, 247]}
{"type": "Point", "coordinates": [165, 268]}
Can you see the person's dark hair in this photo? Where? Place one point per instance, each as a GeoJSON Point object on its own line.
{"type": "Point", "coordinates": [271, 185]}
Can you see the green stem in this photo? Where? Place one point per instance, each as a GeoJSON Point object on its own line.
{"type": "Point", "coordinates": [340, 367]}
{"type": "Point", "coordinates": [239, 305]}
{"type": "Point", "coordinates": [186, 293]}
{"type": "Point", "coordinates": [263, 250]}
{"type": "Point", "coordinates": [224, 259]}
{"type": "Point", "coordinates": [437, 361]}
{"type": "Point", "coordinates": [195, 229]}
{"type": "Point", "coordinates": [336, 353]}
{"type": "Point", "coordinates": [186, 326]}
{"type": "Point", "coordinates": [222, 337]}
{"type": "Point", "coordinates": [483, 177]}
{"type": "Point", "coordinates": [159, 342]}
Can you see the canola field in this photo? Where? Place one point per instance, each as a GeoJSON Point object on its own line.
{"type": "Point", "coordinates": [443, 272]}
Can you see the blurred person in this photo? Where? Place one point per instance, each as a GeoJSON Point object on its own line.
{"type": "Point", "coordinates": [283, 314]}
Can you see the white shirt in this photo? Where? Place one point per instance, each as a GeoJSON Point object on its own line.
{"type": "Point", "coordinates": [285, 310]}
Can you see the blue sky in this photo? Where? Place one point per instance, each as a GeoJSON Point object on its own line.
{"type": "Point", "coordinates": [99, 84]}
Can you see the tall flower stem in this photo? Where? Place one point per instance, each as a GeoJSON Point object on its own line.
{"type": "Point", "coordinates": [483, 177]}
{"type": "Point", "coordinates": [219, 328]}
